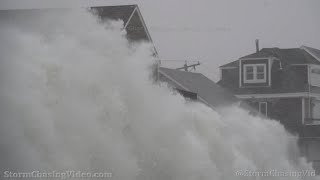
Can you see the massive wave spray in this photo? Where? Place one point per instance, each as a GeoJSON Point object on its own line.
{"type": "Point", "coordinates": [75, 96]}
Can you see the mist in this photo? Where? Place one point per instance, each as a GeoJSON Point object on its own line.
{"type": "Point", "coordinates": [75, 95]}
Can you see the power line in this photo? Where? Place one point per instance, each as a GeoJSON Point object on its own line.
{"type": "Point", "coordinates": [186, 66]}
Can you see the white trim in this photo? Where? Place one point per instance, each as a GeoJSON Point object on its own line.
{"type": "Point", "coordinates": [303, 110]}
{"type": "Point", "coordinates": [314, 65]}
{"type": "Point", "coordinates": [278, 95]}
{"type": "Point", "coordinates": [269, 69]}
{"type": "Point", "coordinates": [134, 10]}
{"type": "Point", "coordinates": [260, 86]}
{"type": "Point", "coordinates": [309, 78]}
{"type": "Point", "coordinates": [255, 73]}
{"type": "Point", "coordinates": [309, 52]}
{"type": "Point", "coordinates": [144, 24]}
{"type": "Point", "coordinates": [266, 103]}
{"type": "Point", "coordinates": [257, 58]}
{"type": "Point", "coordinates": [146, 30]}
{"type": "Point", "coordinates": [240, 73]}
{"type": "Point", "coordinates": [186, 89]}
{"type": "Point", "coordinates": [316, 123]}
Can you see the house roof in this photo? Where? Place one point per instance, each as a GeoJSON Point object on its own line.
{"type": "Point", "coordinates": [132, 18]}
{"type": "Point", "coordinates": [231, 64]}
{"type": "Point", "coordinates": [207, 91]}
{"type": "Point", "coordinates": [122, 12]}
{"type": "Point", "coordinates": [129, 14]}
{"type": "Point", "coordinates": [314, 52]}
{"type": "Point", "coordinates": [303, 55]}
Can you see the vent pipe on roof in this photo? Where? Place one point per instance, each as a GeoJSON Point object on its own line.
{"type": "Point", "coordinates": [257, 45]}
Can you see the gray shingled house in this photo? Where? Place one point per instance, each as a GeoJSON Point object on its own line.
{"type": "Point", "coordinates": [130, 15]}
{"type": "Point", "coordinates": [282, 84]}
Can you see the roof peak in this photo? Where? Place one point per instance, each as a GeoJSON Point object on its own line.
{"type": "Point", "coordinates": [312, 51]}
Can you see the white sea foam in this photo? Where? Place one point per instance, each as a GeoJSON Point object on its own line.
{"type": "Point", "coordinates": [76, 96]}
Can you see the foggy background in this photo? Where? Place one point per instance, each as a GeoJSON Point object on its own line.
{"type": "Point", "coordinates": [213, 32]}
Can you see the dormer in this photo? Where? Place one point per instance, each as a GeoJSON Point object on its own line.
{"type": "Point", "coordinates": [255, 69]}
{"type": "Point", "coordinates": [273, 70]}
{"type": "Point", "coordinates": [255, 72]}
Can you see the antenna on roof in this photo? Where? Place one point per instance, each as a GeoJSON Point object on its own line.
{"type": "Point", "coordinates": [257, 45]}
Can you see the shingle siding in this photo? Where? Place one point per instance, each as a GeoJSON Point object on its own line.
{"type": "Point", "coordinates": [135, 29]}
{"type": "Point", "coordinates": [289, 72]}
{"type": "Point", "coordinates": [114, 12]}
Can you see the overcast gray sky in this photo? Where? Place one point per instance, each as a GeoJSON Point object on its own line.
{"type": "Point", "coordinates": [214, 31]}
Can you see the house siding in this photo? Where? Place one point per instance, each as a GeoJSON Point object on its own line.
{"type": "Point", "coordinates": [288, 79]}
{"type": "Point", "coordinates": [230, 78]}
{"type": "Point", "coordinates": [287, 110]}
{"type": "Point", "coordinates": [289, 74]}
{"type": "Point", "coordinates": [135, 29]}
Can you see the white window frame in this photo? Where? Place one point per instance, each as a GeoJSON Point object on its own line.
{"type": "Point", "coordinates": [255, 74]}
{"type": "Point", "coordinates": [260, 104]}
{"type": "Point", "coordinates": [311, 120]}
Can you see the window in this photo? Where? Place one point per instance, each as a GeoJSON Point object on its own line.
{"type": "Point", "coordinates": [255, 73]}
{"type": "Point", "coordinates": [312, 111]}
{"type": "Point", "coordinates": [315, 109]}
{"type": "Point", "coordinates": [263, 108]}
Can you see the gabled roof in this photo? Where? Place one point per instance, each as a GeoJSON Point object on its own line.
{"type": "Point", "coordinates": [261, 54]}
{"type": "Point", "coordinates": [132, 18]}
{"type": "Point", "coordinates": [314, 52]}
{"type": "Point", "coordinates": [129, 14]}
{"type": "Point", "coordinates": [231, 64]}
{"type": "Point", "coordinates": [122, 12]}
{"type": "Point", "coordinates": [303, 55]}
{"type": "Point", "coordinates": [208, 92]}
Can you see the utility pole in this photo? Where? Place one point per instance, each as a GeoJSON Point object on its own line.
{"type": "Point", "coordinates": [186, 66]}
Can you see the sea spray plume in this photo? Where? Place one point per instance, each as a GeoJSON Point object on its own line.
{"type": "Point", "coordinates": [76, 96]}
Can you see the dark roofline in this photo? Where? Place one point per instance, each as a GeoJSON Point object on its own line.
{"type": "Point", "coordinates": [225, 97]}
{"type": "Point", "coordinates": [232, 64]}
{"type": "Point", "coordinates": [136, 9]}
{"type": "Point", "coordinates": [312, 51]}
{"type": "Point", "coordinates": [50, 8]}
{"type": "Point", "coordinates": [308, 56]}
{"type": "Point", "coordinates": [136, 5]}
{"type": "Point", "coordinates": [132, 7]}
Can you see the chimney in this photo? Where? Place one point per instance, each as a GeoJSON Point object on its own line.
{"type": "Point", "coordinates": [257, 45]}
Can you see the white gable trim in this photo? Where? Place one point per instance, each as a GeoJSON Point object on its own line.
{"type": "Point", "coordinates": [309, 52]}
{"type": "Point", "coordinates": [125, 26]}
{"type": "Point", "coordinates": [144, 24]}
{"type": "Point", "coordinates": [146, 29]}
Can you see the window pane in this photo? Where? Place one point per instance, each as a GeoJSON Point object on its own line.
{"type": "Point", "coordinates": [249, 76]}
{"type": "Point", "coordinates": [263, 108]}
{"type": "Point", "coordinates": [260, 69]}
{"type": "Point", "coordinates": [316, 109]}
{"type": "Point", "coordinates": [260, 76]}
{"type": "Point", "coordinates": [249, 69]}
